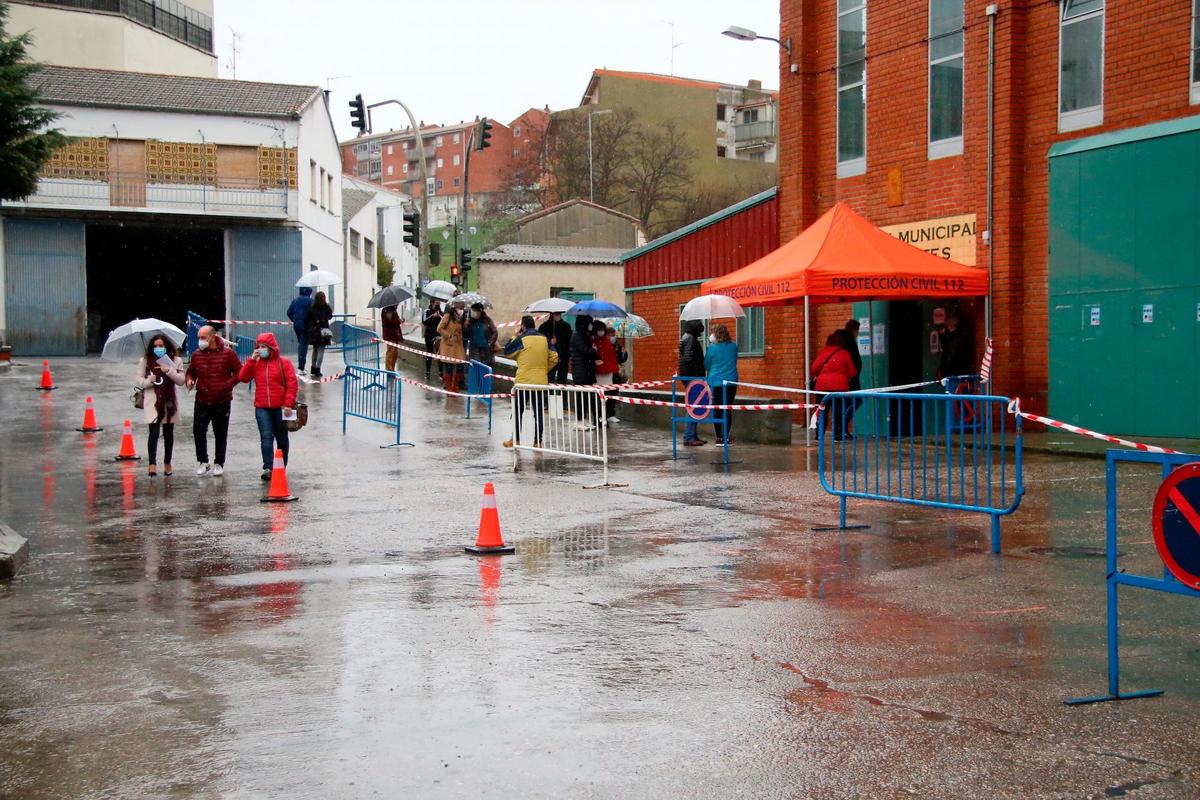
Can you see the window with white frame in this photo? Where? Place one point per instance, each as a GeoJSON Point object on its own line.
{"type": "Point", "coordinates": [404, 167]}
{"type": "Point", "coordinates": [751, 333]}
{"type": "Point", "coordinates": [457, 159]}
{"type": "Point", "coordinates": [390, 170]}
{"type": "Point", "coordinates": [389, 149]}
{"type": "Point", "coordinates": [852, 88]}
{"type": "Point", "coordinates": [439, 141]}
{"type": "Point", "coordinates": [368, 251]}
{"type": "Point", "coordinates": [323, 183]}
{"type": "Point", "coordinates": [1081, 64]}
{"type": "Point", "coordinates": [313, 186]}
{"type": "Point", "coordinates": [1196, 51]}
{"type": "Point", "coordinates": [355, 244]}
{"type": "Point", "coordinates": [440, 163]}
{"type": "Point", "coordinates": [517, 132]}
{"type": "Point", "coordinates": [457, 138]}
{"type": "Point", "coordinates": [945, 78]}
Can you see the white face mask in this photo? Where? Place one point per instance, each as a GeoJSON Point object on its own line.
{"type": "Point", "coordinates": [712, 338]}
{"type": "Point", "coordinates": [474, 315]}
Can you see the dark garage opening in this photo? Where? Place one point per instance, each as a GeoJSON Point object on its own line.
{"type": "Point", "coordinates": [152, 271]}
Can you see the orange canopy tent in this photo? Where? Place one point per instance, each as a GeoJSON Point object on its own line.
{"type": "Point", "coordinates": [842, 258]}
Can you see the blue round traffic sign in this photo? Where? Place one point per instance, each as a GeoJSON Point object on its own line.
{"type": "Point", "coordinates": [1176, 522]}
{"type": "Point", "coordinates": [696, 397]}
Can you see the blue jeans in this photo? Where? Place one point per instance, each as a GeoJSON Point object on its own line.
{"type": "Point", "coordinates": [271, 431]}
{"type": "Point", "coordinates": [302, 341]}
{"type": "Point", "coordinates": [689, 430]}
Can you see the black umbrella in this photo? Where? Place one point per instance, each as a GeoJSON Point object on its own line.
{"type": "Point", "coordinates": [391, 296]}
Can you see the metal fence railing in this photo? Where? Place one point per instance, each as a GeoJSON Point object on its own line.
{"type": "Point", "coordinates": [374, 395]}
{"type": "Point", "coordinates": [360, 347]}
{"type": "Point", "coordinates": [922, 449]}
{"type": "Point", "coordinates": [562, 420]}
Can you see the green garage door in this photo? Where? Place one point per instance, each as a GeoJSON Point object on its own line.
{"type": "Point", "coordinates": [1124, 282]}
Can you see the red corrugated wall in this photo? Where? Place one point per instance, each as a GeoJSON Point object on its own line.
{"type": "Point", "coordinates": [710, 252]}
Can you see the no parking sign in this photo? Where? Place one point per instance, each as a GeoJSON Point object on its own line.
{"type": "Point", "coordinates": [1176, 522]}
{"type": "Point", "coordinates": [696, 397]}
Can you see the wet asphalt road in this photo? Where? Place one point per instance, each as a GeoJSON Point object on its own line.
{"type": "Point", "coordinates": [687, 636]}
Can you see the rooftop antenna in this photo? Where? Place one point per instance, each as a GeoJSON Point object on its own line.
{"type": "Point", "coordinates": [674, 45]}
{"type": "Point", "coordinates": [233, 50]}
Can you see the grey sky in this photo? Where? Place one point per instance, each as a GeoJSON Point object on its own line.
{"type": "Point", "coordinates": [452, 60]}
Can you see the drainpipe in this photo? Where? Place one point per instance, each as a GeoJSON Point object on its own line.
{"type": "Point", "coordinates": [988, 238]}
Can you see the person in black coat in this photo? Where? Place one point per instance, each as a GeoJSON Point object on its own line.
{"type": "Point", "coordinates": [691, 365]}
{"type": "Point", "coordinates": [584, 360]}
{"type": "Point", "coordinates": [319, 317]}
{"type": "Point", "coordinates": [558, 333]}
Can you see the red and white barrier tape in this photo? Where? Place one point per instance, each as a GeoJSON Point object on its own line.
{"type": "Point", "coordinates": [638, 401]}
{"type": "Point", "coordinates": [897, 388]}
{"type": "Point", "coordinates": [447, 392]}
{"type": "Point", "coordinates": [248, 322]}
{"type": "Point", "coordinates": [426, 353]}
{"type": "Point", "coordinates": [1014, 408]}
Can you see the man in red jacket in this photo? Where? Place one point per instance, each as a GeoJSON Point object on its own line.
{"type": "Point", "coordinates": [275, 389]}
{"type": "Point", "coordinates": [213, 373]}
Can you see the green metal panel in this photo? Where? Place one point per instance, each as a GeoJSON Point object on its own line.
{"type": "Point", "coordinates": [1124, 240]}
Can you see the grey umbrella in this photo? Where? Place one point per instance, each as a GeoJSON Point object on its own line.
{"type": "Point", "coordinates": [390, 296]}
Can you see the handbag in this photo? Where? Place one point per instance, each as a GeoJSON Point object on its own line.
{"type": "Point", "coordinates": [139, 397]}
{"type": "Point", "coordinates": [301, 419]}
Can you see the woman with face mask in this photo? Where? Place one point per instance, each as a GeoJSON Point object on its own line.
{"type": "Point", "coordinates": [450, 329]}
{"type": "Point", "coordinates": [480, 334]}
{"type": "Point", "coordinates": [275, 389]}
{"type": "Point", "coordinates": [159, 371]}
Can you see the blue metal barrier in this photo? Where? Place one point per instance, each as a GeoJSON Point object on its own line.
{"type": "Point", "coordinates": [479, 382]}
{"type": "Point", "coordinates": [372, 394]}
{"type": "Point", "coordinates": [909, 448]}
{"type": "Point", "coordinates": [1167, 583]}
{"type": "Point", "coordinates": [359, 347]}
{"type": "Point", "coordinates": [679, 415]}
{"type": "Point", "coordinates": [337, 324]}
{"type": "Point", "coordinates": [194, 323]}
{"type": "Point", "coordinates": [243, 346]}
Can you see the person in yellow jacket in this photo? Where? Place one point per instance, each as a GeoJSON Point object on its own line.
{"type": "Point", "coordinates": [535, 359]}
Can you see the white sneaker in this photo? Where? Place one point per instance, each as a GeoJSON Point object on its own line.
{"type": "Point", "coordinates": [202, 470]}
{"type": "Point", "coordinates": [613, 421]}
{"type": "Point", "coordinates": [218, 470]}
{"type": "Point", "coordinates": [583, 426]}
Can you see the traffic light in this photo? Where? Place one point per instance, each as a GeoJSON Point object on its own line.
{"type": "Point", "coordinates": [454, 274]}
{"type": "Point", "coordinates": [435, 254]}
{"type": "Point", "coordinates": [483, 134]}
{"type": "Point", "coordinates": [358, 113]}
{"type": "Point", "coordinates": [464, 259]}
{"type": "Point", "coordinates": [412, 229]}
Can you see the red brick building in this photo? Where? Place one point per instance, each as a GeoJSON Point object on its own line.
{"type": "Point", "coordinates": [901, 133]}
{"type": "Point", "coordinates": [390, 159]}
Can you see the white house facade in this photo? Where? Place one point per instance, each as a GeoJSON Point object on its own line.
{"type": "Point", "coordinates": [174, 194]}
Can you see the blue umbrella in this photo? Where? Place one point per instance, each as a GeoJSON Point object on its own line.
{"type": "Point", "coordinates": [597, 308]}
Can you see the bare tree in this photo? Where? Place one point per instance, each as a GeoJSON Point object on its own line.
{"type": "Point", "coordinates": [707, 199]}
{"type": "Point", "coordinates": [658, 173]}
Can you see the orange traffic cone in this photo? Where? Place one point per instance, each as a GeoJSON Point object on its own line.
{"type": "Point", "coordinates": [279, 488]}
{"type": "Point", "coordinates": [127, 453]}
{"type": "Point", "coordinates": [47, 384]}
{"type": "Point", "coordinates": [490, 541]}
{"type": "Point", "coordinates": [89, 419]}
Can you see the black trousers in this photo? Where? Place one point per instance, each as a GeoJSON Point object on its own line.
{"type": "Point", "coordinates": [429, 348]}
{"type": "Point", "coordinates": [723, 396]}
{"type": "Point", "coordinates": [559, 373]}
{"type": "Point", "coordinates": [168, 437]}
{"type": "Point", "coordinates": [537, 403]}
{"type": "Point", "coordinates": [218, 415]}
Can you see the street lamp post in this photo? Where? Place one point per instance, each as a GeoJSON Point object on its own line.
{"type": "Point", "coordinates": [747, 35]}
{"type": "Point", "coordinates": [422, 258]}
{"type": "Point", "coordinates": [591, 178]}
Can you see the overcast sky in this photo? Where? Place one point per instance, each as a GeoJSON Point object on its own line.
{"type": "Point", "coordinates": [453, 59]}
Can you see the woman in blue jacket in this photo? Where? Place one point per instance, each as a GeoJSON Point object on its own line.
{"type": "Point", "coordinates": [720, 365]}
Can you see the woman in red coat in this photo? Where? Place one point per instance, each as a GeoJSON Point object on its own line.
{"type": "Point", "coordinates": [833, 370]}
{"type": "Point", "coordinates": [274, 390]}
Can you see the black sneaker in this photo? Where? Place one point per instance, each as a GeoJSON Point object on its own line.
{"type": "Point", "coordinates": [266, 474]}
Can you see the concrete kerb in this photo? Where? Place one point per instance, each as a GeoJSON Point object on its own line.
{"type": "Point", "coordinates": [14, 552]}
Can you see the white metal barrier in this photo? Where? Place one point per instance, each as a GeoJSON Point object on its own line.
{"type": "Point", "coordinates": [561, 420]}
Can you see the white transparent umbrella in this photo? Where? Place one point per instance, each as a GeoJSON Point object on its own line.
{"type": "Point", "coordinates": [550, 305]}
{"type": "Point", "coordinates": [128, 342]}
{"type": "Point", "coordinates": [318, 277]}
{"type": "Point", "coordinates": [711, 306]}
{"type": "Point", "coordinates": [442, 290]}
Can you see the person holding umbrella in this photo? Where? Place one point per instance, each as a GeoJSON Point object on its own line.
{"type": "Point", "coordinates": [450, 334]}
{"type": "Point", "coordinates": [160, 371]}
{"type": "Point", "coordinates": [431, 319]}
{"type": "Point", "coordinates": [480, 334]}
{"type": "Point", "coordinates": [391, 331]}
{"type": "Point", "coordinates": [213, 372]}
{"type": "Point", "coordinates": [584, 360]}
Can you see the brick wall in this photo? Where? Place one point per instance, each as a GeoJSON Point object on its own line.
{"type": "Point", "coordinates": [1146, 80]}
